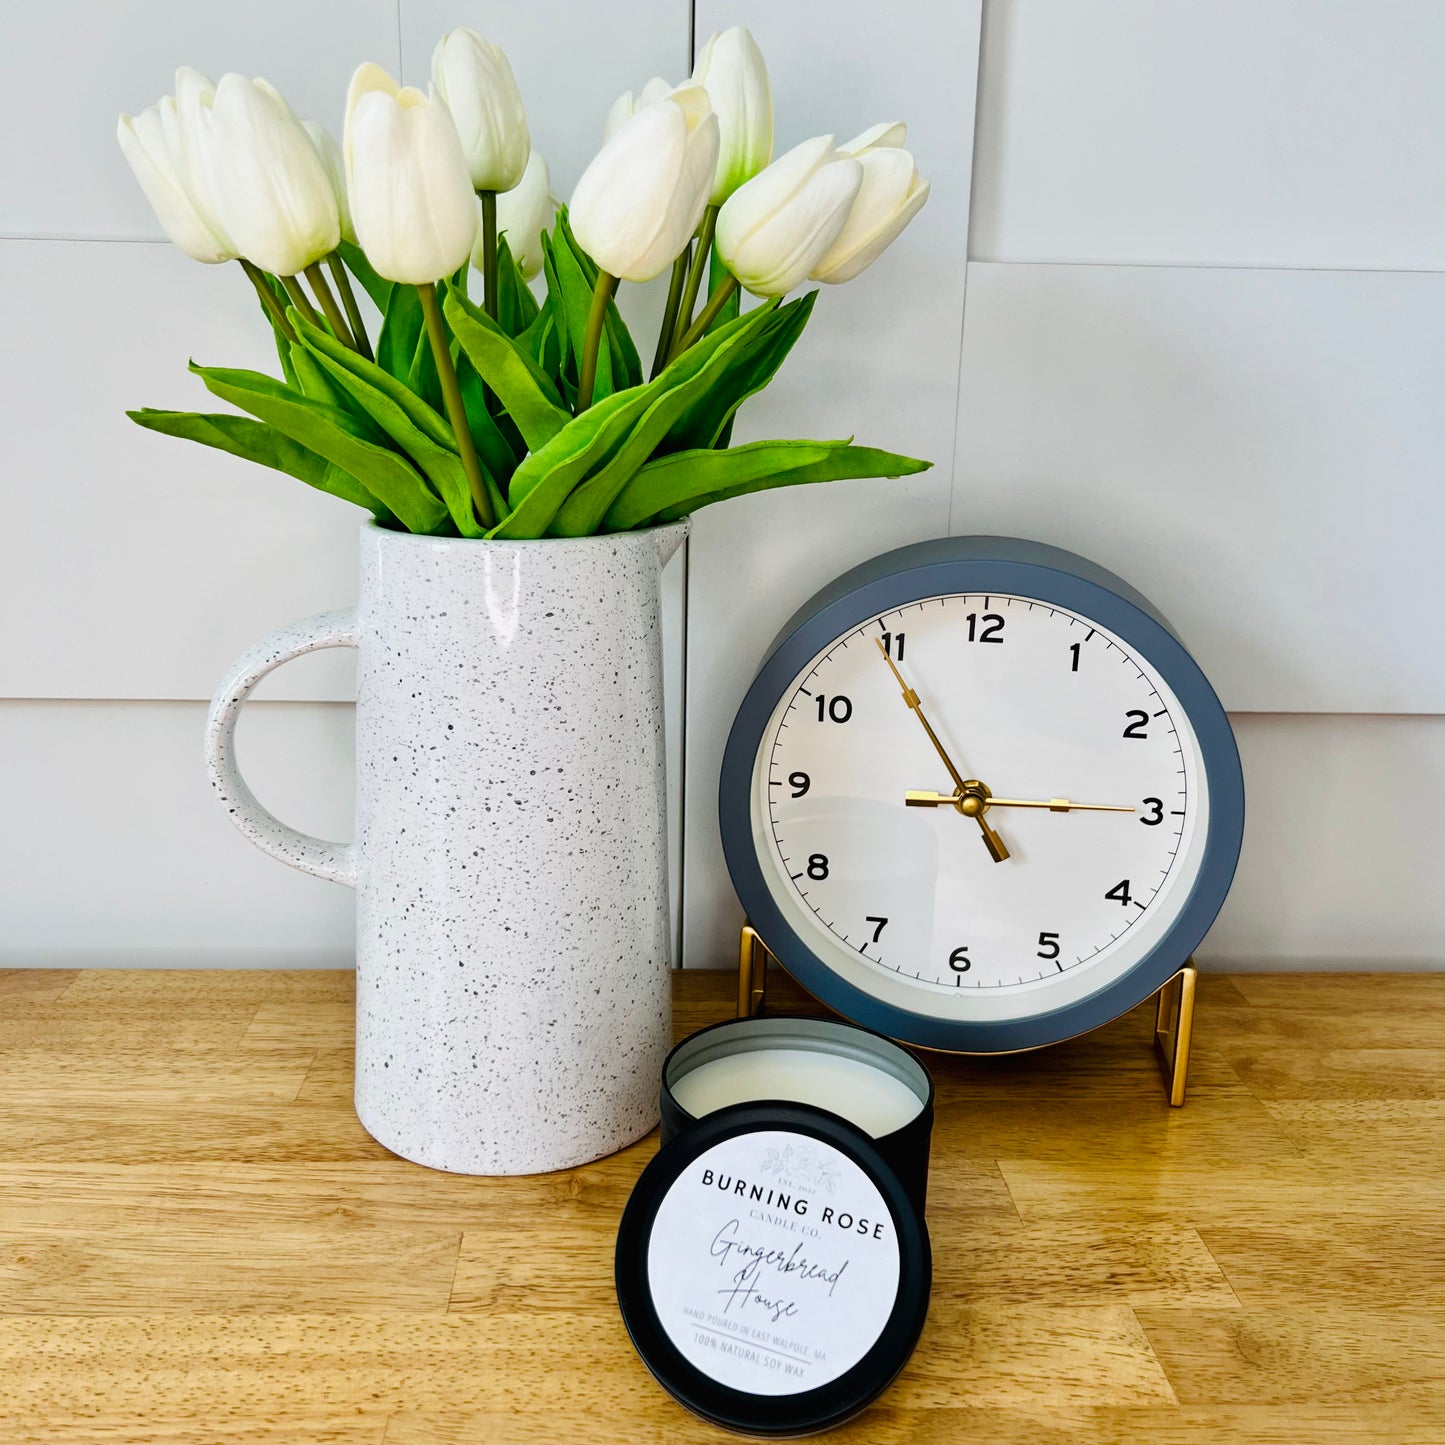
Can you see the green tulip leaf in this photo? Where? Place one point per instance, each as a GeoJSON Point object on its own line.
{"type": "Point", "coordinates": [403, 325]}
{"type": "Point", "coordinates": [521, 386]}
{"type": "Point", "coordinates": [691, 376]}
{"type": "Point", "coordinates": [842, 461]}
{"type": "Point", "coordinates": [335, 435]}
{"type": "Point", "coordinates": [256, 442]}
{"type": "Point", "coordinates": [517, 308]}
{"type": "Point", "coordinates": [626, 364]}
{"type": "Point", "coordinates": [497, 450]}
{"type": "Point", "coordinates": [717, 273]}
{"type": "Point", "coordinates": [411, 424]}
{"type": "Point", "coordinates": [568, 286]}
{"type": "Point", "coordinates": [377, 287]}
{"type": "Point", "coordinates": [283, 342]}
{"type": "Point", "coordinates": [543, 344]}
{"type": "Point", "coordinates": [543, 481]}
{"type": "Point", "coordinates": [312, 380]}
{"type": "Point", "coordinates": [752, 365]}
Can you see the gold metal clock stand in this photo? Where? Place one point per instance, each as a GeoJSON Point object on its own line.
{"type": "Point", "coordinates": [1173, 1018]}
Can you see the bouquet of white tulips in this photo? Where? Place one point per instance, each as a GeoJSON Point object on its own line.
{"type": "Point", "coordinates": [494, 414]}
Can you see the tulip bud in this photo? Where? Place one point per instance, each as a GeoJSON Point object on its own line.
{"type": "Point", "coordinates": [774, 229]}
{"type": "Point", "coordinates": [627, 105]}
{"type": "Point", "coordinates": [195, 114]}
{"type": "Point", "coordinates": [151, 143]}
{"type": "Point", "coordinates": [891, 195]}
{"type": "Point", "coordinates": [523, 213]}
{"type": "Point", "coordinates": [270, 185]}
{"type": "Point", "coordinates": [888, 134]}
{"type": "Point", "coordinates": [732, 71]}
{"type": "Point", "coordinates": [475, 80]}
{"type": "Point", "coordinates": [411, 192]}
{"type": "Point", "coordinates": [330, 154]}
{"type": "Point", "coordinates": [642, 197]}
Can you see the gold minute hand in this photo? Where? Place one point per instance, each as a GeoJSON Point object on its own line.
{"type": "Point", "coordinates": [997, 849]}
{"type": "Point", "coordinates": [923, 799]}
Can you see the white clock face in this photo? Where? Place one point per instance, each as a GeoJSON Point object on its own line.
{"type": "Point", "coordinates": [1038, 704]}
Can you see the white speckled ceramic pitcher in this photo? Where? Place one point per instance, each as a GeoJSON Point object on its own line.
{"type": "Point", "coordinates": [510, 863]}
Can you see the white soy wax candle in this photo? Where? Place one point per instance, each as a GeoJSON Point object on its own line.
{"type": "Point", "coordinates": [875, 1101]}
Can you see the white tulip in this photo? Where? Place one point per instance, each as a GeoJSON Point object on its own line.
{"type": "Point", "coordinates": [269, 184]}
{"type": "Point", "coordinates": [732, 70]}
{"type": "Point", "coordinates": [195, 112]}
{"type": "Point", "coordinates": [891, 195]}
{"type": "Point", "coordinates": [411, 191]}
{"type": "Point", "coordinates": [888, 134]}
{"type": "Point", "coordinates": [475, 79]}
{"type": "Point", "coordinates": [151, 143]}
{"type": "Point", "coordinates": [776, 227]}
{"type": "Point", "coordinates": [330, 153]}
{"type": "Point", "coordinates": [642, 197]}
{"type": "Point", "coordinates": [523, 213]}
{"type": "Point", "coordinates": [627, 105]}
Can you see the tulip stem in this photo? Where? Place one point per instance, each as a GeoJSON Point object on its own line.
{"type": "Point", "coordinates": [299, 299]}
{"type": "Point", "coordinates": [708, 314]}
{"type": "Point", "coordinates": [669, 315]}
{"type": "Point", "coordinates": [339, 329]}
{"type": "Point", "coordinates": [701, 260]}
{"type": "Point", "coordinates": [348, 300]}
{"type": "Point", "coordinates": [274, 309]}
{"type": "Point", "coordinates": [489, 253]}
{"type": "Point", "coordinates": [456, 408]}
{"type": "Point", "coordinates": [596, 318]}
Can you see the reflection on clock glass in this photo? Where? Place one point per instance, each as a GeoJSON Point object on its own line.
{"type": "Point", "coordinates": [1038, 831]}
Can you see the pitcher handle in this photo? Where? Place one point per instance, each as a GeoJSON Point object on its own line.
{"type": "Point", "coordinates": [333, 861]}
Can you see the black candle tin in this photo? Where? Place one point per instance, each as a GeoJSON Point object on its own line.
{"type": "Point", "coordinates": [905, 1149]}
{"type": "Point", "coordinates": [773, 1264]}
{"type": "Point", "coordinates": [772, 1271]}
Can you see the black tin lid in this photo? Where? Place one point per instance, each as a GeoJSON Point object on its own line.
{"type": "Point", "coordinates": [772, 1270]}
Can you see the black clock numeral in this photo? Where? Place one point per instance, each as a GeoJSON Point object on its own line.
{"type": "Point", "coordinates": [836, 709]}
{"type": "Point", "coordinates": [1049, 946]}
{"type": "Point", "coordinates": [959, 960]}
{"type": "Point", "coordinates": [1076, 648]}
{"type": "Point", "coordinates": [881, 922]}
{"type": "Point", "coordinates": [990, 631]}
{"type": "Point", "coordinates": [799, 783]}
{"type": "Point", "coordinates": [889, 638]}
{"type": "Point", "coordinates": [1138, 721]}
{"type": "Point", "coordinates": [1157, 807]}
{"type": "Point", "coordinates": [817, 866]}
{"type": "Point", "coordinates": [1120, 892]}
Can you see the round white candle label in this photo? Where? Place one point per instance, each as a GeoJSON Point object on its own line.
{"type": "Point", "coordinates": [773, 1263]}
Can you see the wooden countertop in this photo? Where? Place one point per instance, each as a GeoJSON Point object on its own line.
{"type": "Point", "coordinates": [199, 1243]}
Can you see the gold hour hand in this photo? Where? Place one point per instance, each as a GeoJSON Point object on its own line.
{"type": "Point", "coordinates": [921, 798]}
{"type": "Point", "coordinates": [997, 849]}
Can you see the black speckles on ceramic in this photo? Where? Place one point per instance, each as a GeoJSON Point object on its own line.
{"type": "Point", "coordinates": [512, 1008]}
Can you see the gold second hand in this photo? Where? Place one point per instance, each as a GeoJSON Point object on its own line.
{"type": "Point", "coordinates": [922, 798]}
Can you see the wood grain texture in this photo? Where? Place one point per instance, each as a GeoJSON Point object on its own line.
{"type": "Point", "coordinates": [199, 1243]}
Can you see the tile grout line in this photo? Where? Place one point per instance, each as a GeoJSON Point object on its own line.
{"type": "Point", "coordinates": [967, 249]}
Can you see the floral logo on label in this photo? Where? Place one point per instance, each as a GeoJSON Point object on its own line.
{"type": "Point", "coordinates": [800, 1166]}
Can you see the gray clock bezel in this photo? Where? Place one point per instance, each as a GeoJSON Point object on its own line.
{"type": "Point", "coordinates": [1047, 574]}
